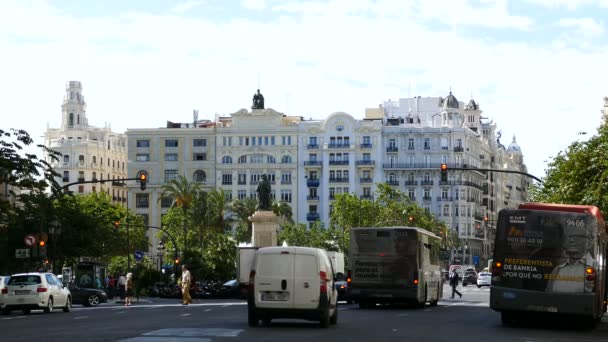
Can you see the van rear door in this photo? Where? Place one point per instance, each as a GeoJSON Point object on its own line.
{"type": "Point", "coordinates": [274, 286]}
{"type": "Point", "coordinates": [307, 279]}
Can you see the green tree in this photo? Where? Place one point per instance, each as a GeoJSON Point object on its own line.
{"type": "Point", "coordinates": [183, 193]}
{"type": "Point", "coordinates": [578, 175]}
{"type": "Point", "coordinates": [243, 209]}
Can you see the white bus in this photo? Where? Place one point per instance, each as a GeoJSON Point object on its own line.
{"type": "Point", "coordinates": [394, 264]}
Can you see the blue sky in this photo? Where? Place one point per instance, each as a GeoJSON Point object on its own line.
{"type": "Point", "coordinates": [537, 67]}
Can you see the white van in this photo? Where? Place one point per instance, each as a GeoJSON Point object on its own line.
{"type": "Point", "coordinates": [292, 282]}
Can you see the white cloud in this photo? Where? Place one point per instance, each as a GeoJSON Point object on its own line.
{"type": "Point", "coordinates": [586, 27]}
{"type": "Point", "coordinates": [186, 6]}
{"type": "Point", "coordinates": [140, 70]}
{"type": "Point", "coordinates": [254, 4]}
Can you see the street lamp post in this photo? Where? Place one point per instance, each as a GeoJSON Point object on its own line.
{"type": "Point", "coordinates": [159, 254]}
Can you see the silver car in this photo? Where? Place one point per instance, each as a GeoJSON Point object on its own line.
{"type": "Point", "coordinates": [484, 279]}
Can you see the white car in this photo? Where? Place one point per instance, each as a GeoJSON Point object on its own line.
{"type": "Point", "coordinates": [3, 281]}
{"type": "Point", "coordinates": [484, 279]}
{"type": "Point", "coordinates": [35, 291]}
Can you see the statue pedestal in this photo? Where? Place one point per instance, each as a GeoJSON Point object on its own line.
{"type": "Point", "coordinates": [265, 228]}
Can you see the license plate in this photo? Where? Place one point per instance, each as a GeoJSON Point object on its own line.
{"type": "Point", "coordinates": [275, 296]}
{"type": "Point", "coordinates": [22, 292]}
{"type": "Point", "coordinates": [382, 295]}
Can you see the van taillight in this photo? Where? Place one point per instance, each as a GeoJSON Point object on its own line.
{"type": "Point", "coordinates": [415, 281]}
{"type": "Point", "coordinates": [41, 289]}
{"type": "Point", "coordinates": [590, 272]}
{"type": "Point", "coordinates": [251, 281]}
{"type": "Point", "coordinates": [497, 268]}
{"type": "Point", "coordinates": [323, 277]}
{"type": "Point", "coordinates": [5, 291]}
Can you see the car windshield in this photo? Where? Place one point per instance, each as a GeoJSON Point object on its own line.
{"type": "Point", "coordinates": [24, 280]}
{"type": "Point", "coordinates": [485, 274]}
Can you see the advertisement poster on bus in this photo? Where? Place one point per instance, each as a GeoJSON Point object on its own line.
{"type": "Point", "coordinates": [546, 251]}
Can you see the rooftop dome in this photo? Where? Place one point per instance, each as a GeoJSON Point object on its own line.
{"type": "Point", "coordinates": [514, 147]}
{"type": "Point", "coordinates": [472, 105]}
{"type": "Point", "coordinates": [451, 102]}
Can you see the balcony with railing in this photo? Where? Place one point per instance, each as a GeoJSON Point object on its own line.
{"type": "Point", "coordinates": [338, 162]}
{"type": "Point", "coordinates": [366, 180]}
{"type": "Point", "coordinates": [81, 179]}
{"type": "Point", "coordinates": [313, 146]}
{"type": "Point", "coordinates": [338, 180]}
{"type": "Point", "coordinates": [312, 198]}
{"type": "Point", "coordinates": [286, 181]}
{"type": "Point", "coordinates": [312, 183]}
{"type": "Point", "coordinates": [445, 199]}
{"type": "Point", "coordinates": [366, 197]}
{"type": "Point", "coordinates": [312, 163]}
{"type": "Point", "coordinates": [427, 198]}
{"type": "Point", "coordinates": [458, 149]}
{"type": "Point", "coordinates": [426, 182]}
{"type": "Point", "coordinates": [410, 183]}
{"type": "Point", "coordinates": [335, 145]}
{"type": "Point", "coordinates": [369, 145]}
{"type": "Point", "coordinates": [365, 162]}
{"type": "Point", "coordinates": [392, 149]}
{"type": "Point", "coordinates": [312, 216]}
{"type": "Point", "coordinates": [392, 182]}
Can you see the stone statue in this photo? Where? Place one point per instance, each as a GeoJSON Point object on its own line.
{"type": "Point", "coordinates": [264, 194]}
{"type": "Point", "coordinates": [258, 101]}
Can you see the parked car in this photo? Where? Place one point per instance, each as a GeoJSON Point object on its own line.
{"type": "Point", "coordinates": [36, 291]}
{"type": "Point", "coordinates": [87, 296]}
{"type": "Point", "coordinates": [230, 289]}
{"type": "Point", "coordinates": [469, 277]}
{"type": "Point", "coordinates": [484, 279]}
{"type": "Point", "coordinates": [3, 292]}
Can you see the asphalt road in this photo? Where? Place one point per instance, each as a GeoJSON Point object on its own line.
{"type": "Point", "coordinates": [156, 320]}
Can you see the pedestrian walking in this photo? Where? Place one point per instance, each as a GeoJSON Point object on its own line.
{"type": "Point", "coordinates": [454, 282]}
{"type": "Point", "coordinates": [186, 282]}
{"type": "Point", "coordinates": [122, 282]}
{"type": "Point", "coordinates": [129, 289]}
{"type": "Point", "coordinates": [111, 287]}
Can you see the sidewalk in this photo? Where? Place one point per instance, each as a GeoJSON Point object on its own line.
{"type": "Point", "coordinates": [140, 300]}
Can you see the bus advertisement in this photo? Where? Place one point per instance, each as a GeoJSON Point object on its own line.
{"type": "Point", "coordinates": [549, 258]}
{"type": "Point", "coordinates": [394, 264]}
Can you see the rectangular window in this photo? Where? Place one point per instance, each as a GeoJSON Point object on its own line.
{"type": "Point", "coordinates": [286, 177]}
{"type": "Point", "coordinates": [286, 196]}
{"type": "Point", "coordinates": [81, 189]}
{"type": "Point", "coordinates": [170, 156]}
{"type": "Point", "coordinates": [141, 200]}
{"type": "Point", "coordinates": [199, 156]}
{"type": "Point", "coordinates": [142, 157]}
{"type": "Point", "coordinates": [242, 194]}
{"type": "Point", "coordinates": [171, 143]}
{"type": "Point", "coordinates": [410, 144]}
{"type": "Point", "coordinates": [143, 143]}
{"type": "Point", "coordinates": [272, 141]}
{"type": "Point", "coordinates": [170, 175]}
{"type": "Point", "coordinates": [427, 143]}
{"type": "Point", "coordinates": [227, 178]}
{"type": "Point", "coordinates": [66, 176]}
{"type": "Point", "coordinates": [242, 178]}
{"type": "Point", "coordinates": [199, 142]}
{"type": "Point", "coordinates": [166, 201]}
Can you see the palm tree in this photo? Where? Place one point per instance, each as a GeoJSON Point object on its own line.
{"type": "Point", "coordinates": [183, 193]}
{"type": "Point", "coordinates": [284, 211]}
{"type": "Point", "coordinates": [243, 209]}
{"type": "Point", "coordinates": [217, 207]}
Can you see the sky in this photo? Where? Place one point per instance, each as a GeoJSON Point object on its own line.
{"type": "Point", "coordinates": [538, 68]}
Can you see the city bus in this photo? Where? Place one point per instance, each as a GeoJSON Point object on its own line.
{"type": "Point", "coordinates": [549, 258]}
{"type": "Point", "coordinates": [394, 264]}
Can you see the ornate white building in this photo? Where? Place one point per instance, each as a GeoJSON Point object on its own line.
{"type": "Point", "coordinates": [88, 153]}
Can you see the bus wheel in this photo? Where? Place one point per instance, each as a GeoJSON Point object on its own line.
{"type": "Point", "coordinates": [434, 302]}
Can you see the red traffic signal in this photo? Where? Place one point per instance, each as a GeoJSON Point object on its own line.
{"type": "Point", "coordinates": [444, 172]}
{"type": "Point", "coordinates": [41, 243]}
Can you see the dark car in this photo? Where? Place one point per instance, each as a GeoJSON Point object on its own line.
{"type": "Point", "coordinates": [469, 277]}
{"type": "Point", "coordinates": [231, 289]}
{"type": "Point", "coordinates": [343, 291]}
{"type": "Point", "coordinates": [87, 296]}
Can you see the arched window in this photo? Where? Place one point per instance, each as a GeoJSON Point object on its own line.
{"type": "Point", "coordinates": [286, 160]}
{"type": "Point", "coordinates": [71, 120]}
{"type": "Point", "coordinates": [94, 160]}
{"type": "Point", "coordinates": [66, 159]}
{"type": "Point", "coordinates": [243, 160]}
{"type": "Point", "coordinates": [227, 160]}
{"type": "Point", "coordinates": [199, 176]}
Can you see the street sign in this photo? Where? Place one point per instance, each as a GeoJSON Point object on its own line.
{"type": "Point", "coordinates": [476, 260]}
{"type": "Point", "coordinates": [22, 253]}
{"type": "Point", "coordinates": [29, 240]}
{"type": "Point", "coordinates": [139, 255]}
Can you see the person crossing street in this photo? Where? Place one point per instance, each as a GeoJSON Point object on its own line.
{"type": "Point", "coordinates": [186, 282]}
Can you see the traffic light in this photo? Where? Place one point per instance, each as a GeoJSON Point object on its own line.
{"type": "Point", "coordinates": [116, 224]}
{"type": "Point", "coordinates": [177, 261]}
{"type": "Point", "coordinates": [42, 243]}
{"type": "Point", "coordinates": [142, 181]}
{"type": "Point", "coordinates": [444, 172]}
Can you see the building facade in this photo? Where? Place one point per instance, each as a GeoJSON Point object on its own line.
{"type": "Point", "coordinates": [87, 153]}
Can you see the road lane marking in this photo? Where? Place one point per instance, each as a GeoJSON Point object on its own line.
{"type": "Point", "coordinates": [81, 317]}
{"type": "Point", "coordinates": [185, 315]}
{"type": "Point", "coordinates": [195, 332]}
{"type": "Point", "coordinates": [207, 310]}
{"type": "Point", "coordinates": [225, 306]}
